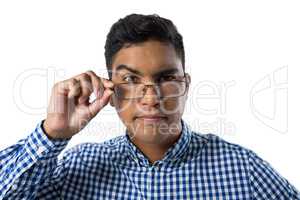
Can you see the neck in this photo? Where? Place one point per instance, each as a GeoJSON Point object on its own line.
{"type": "Point", "coordinates": [155, 151]}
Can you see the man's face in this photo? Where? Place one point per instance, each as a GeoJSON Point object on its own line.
{"type": "Point", "coordinates": [149, 119]}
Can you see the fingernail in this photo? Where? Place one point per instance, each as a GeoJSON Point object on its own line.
{"type": "Point", "coordinates": [81, 100]}
{"type": "Point", "coordinates": [110, 92]}
{"type": "Point", "coordinates": [109, 83]}
{"type": "Point", "coordinates": [96, 92]}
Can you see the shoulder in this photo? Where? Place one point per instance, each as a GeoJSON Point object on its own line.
{"type": "Point", "coordinates": [212, 150]}
{"type": "Point", "coordinates": [213, 145]}
{"type": "Point", "coordinates": [105, 149]}
{"type": "Point", "coordinates": [263, 179]}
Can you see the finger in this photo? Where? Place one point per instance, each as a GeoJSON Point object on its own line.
{"type": "Point", "coordinates": [86, 87]}
{"type": "Point", "coordinates": [98, 87]}
{"type": "Point", "coordinates": [107, 83]}
{"type": "Point", "coordinates": [61, 88]}
{"type": "Point", "coordinates": [59, 98]}
{"type": "Point", "coordinates": [99, 103]}
{"type": "Point", "coordinates": [74, 88]}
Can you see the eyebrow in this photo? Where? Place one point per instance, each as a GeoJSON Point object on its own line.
{"type": "Point", "coordinates": [165, 71]}
{"type": "Point", "coordinates": [168, 71]}
{"type": "Point", "coordinates": [125, 67]}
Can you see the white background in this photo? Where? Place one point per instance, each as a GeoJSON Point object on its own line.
{"type": "Point", "coordinates": [243, 58]}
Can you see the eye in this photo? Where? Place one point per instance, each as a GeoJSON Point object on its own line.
{"type": "Point", "coordinates": [168, 78]}
{"type": "Point", "coordinates": [130, 79]}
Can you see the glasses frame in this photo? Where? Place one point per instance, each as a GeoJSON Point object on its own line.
{"type": "Point", "coordinates": [183, 79]}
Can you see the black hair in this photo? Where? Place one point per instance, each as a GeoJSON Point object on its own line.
{"type": "Point", "coordinates": [138, 28]}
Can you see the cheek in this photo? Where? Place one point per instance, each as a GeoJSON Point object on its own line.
{"type": "Point", "coordinates": [125, 110]}
{"type": "Point", "coordinates": [173, 106]}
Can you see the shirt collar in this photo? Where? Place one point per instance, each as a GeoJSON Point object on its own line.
{"type": "Point", "coordinates": [174, 153]}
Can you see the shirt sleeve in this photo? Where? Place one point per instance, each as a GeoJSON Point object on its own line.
{"type": "Point", "coordinates": [267, 183]}
{"type": "Point", "coordinates": [29, 169]}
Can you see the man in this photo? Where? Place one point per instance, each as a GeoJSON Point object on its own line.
{"type": "Point", "coordinates": [159, 156]}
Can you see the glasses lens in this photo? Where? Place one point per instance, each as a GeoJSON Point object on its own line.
{"type": "Point", "coordinates": [129, 91]}
{"type": "Point", "coordinates": [172, 88]}
{"type": "Point", "coordinates": [166, 89]}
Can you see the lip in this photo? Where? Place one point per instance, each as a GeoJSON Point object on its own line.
{"type": "Point", "coordinates": [151, 118]}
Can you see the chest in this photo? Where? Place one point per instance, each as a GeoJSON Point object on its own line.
{"type": "Point", "coordinates": [193, 180]}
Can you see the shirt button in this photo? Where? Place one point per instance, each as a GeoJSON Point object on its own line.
{"type": "Point", "coordinates": [5, 176]}
{"type": "Point", "coordinates": [14, 187]}
{"type": "Point", "coordinates": [136, 160]}
{"type": "Point", "coordinates": [40, 150]}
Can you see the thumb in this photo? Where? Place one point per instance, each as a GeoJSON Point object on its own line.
{"type": "Point", "coordinates": [99, 103]}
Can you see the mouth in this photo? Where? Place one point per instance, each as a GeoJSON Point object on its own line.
{"type": "Point", "coordinates": [151, 118]}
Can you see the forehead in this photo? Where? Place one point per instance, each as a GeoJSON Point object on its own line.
{"type": "Point", "coordinates": [148, 58]}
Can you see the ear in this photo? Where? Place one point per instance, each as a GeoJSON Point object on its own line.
{"type": "Point", "coordinates": [111, 101]}
{"type": "Point", "coordinates": [188, 79]}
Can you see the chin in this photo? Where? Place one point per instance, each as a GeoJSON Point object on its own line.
{"type": "Point", "coordinates": [150, 134]}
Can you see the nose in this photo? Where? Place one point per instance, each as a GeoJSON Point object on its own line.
{"type": "Point", "coordinates": [151, 96]}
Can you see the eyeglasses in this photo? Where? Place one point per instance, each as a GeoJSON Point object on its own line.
{"type": "Point", "coordinates": [170, 88]}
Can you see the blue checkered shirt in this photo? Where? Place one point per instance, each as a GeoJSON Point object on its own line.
{"type": "Point", "coordinates": [197, 166]}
